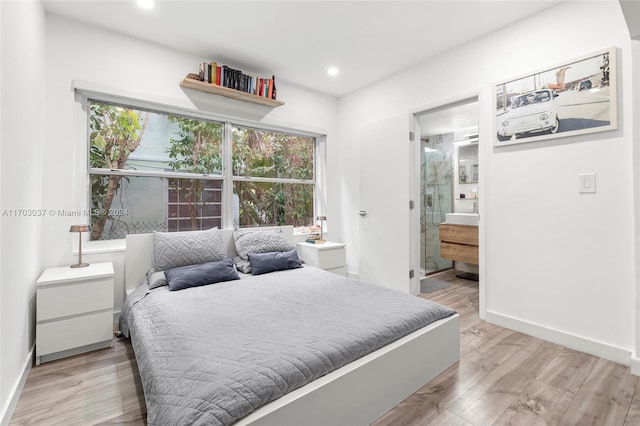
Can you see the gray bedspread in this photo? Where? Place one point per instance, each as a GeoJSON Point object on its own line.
{"type": "Point", "coordinates": [211, 355]}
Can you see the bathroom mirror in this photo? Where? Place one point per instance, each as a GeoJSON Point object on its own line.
{"type": "Point", "coordinates": [468, 163]}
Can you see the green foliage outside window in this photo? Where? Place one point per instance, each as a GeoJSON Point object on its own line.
{"type": "Point", "coordinates": [198, 149]}
{"type": "Point", "coordinates": [282, 165]}
{"type": "Point", "coordinates": [263, 154]}
{"type": "Point", "coordinates": [114, 134]}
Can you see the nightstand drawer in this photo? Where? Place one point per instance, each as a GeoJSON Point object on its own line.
{"type": "Point", "coordinates": [62, 300]}
{"type": "Point", "coordinates": [71, 333]}
{"type": "Point", "coordinates": [328, 259]}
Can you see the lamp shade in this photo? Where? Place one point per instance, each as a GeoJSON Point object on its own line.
{"type": "Point", "coordinates": [79, 228]}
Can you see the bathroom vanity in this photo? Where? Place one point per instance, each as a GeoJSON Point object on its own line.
{"type": "Point", "coordinates": [459, 238]}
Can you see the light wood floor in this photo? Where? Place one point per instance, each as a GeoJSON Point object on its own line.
{"type": "Point", "coordinates": [503, 378]}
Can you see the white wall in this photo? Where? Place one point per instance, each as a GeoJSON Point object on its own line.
{"type": "Point", "coordinates": [559, 265]}
{"type": "Point", "coordinates": [76, 51]}
{"type": "Point", "coordinates": [3, 398]}
{"type": "Point", "coordinates": [21, 104]}
{"type": "Point", "coordinates": [635, 44]}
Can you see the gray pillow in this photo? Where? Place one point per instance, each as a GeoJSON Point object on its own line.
{"type": "Point", "coordinates": [242, 265]}
{"type": "Point", "coordinates": [202, 274]}
{"type": "Point", "coordinates": [262, 263]}
{"type": "Point", "coordinates": [260, 242]}
{"type": "Point", "coordinates": [174, 249]}
{"type": "Point", "coordinates": [156, 279]}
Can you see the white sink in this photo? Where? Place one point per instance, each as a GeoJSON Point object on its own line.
{"type": "Point", "coordinates": [462, 218]}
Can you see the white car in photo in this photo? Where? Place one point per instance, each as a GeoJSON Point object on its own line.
{"type": "Point", "coordinates": [530, 112]}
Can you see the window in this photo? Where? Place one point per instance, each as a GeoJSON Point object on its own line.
{"type": "Point", "coordinates": [151, 171]}
{"type": "Point", "coordinates": [273, 177]}
{"type": "Point", "coordinates": [194, 204]}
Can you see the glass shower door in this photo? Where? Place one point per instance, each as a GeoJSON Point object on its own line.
{"type": "Point", "coordinates": [436, 194]}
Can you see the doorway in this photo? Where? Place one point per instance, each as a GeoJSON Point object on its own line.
{"type": "Point", "coordinates": [448, 182]}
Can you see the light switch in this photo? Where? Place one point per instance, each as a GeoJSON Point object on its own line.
{"type": "Point", "coordinates": [587, 183]}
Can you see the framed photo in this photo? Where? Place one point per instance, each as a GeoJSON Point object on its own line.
{"type": "Point", "coordinates": [573, 98]}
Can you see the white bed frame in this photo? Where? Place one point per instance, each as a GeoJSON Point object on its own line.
{"type": "Point", "coordinates": [356, 394]}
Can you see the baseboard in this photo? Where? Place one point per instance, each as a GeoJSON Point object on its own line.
{"type": "Point", "coordinates": [635, 366]}
{"type": "Point", "coordinates": [16, 391]}
{"type": "Point", "coordinates": [572, 341]}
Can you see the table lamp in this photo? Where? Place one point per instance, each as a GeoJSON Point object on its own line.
{"type": "Point", "coordinates": [321, 219]}
{"type": "Point", "coordinates": [79, 229]}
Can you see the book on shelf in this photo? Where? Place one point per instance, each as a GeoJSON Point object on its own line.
{"type": "Point", "coordinates": [231, 78]}
{"type": "Point", "coordinates": [213, 67]}
{"type": "Point", "coordinates": [273, 92]}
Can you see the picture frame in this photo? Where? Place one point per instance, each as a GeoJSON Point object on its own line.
{"type": "Point", "coordinates": [576, 97]}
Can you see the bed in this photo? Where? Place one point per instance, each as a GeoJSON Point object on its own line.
{"type": "Point", "coordinates": [298, 346]}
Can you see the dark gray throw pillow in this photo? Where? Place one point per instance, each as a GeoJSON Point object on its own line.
{"type": "Point", "coordinates": [202, 274]}
{"type": "Point", "coordinates": [262, 263]}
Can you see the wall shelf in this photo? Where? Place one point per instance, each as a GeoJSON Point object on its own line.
{"type": "Point", "coordinates": [214, 89]}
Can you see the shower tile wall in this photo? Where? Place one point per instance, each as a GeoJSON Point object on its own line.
{"type": "Point", "coordinates": [436, 189]}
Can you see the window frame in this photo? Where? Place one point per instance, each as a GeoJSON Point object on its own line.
{"type": "Point", "coordinates": [86, 93]}
{"type": "Point", "coordinates": [311, 181]}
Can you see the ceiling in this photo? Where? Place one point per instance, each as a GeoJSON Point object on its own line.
{"type": "Point", "coordinates": [298, 40]}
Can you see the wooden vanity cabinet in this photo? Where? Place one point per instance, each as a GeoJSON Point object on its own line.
{"type": "Point", "coordinates": [459, 243]}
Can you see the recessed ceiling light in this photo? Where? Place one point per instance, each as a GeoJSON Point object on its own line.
{"type": "Point", "coordinates": [146, 4]}
{"type": "Point", "coordinates": [333, 71]}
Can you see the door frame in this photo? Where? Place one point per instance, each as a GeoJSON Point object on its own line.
{"type": "Point", "coordinates": [484, 151]}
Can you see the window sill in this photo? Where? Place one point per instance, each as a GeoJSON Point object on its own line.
{"type": "Point", "coordinates": [106, 246]}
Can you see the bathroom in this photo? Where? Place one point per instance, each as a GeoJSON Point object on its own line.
{"type": "Point", "coordinates": [449, 184]}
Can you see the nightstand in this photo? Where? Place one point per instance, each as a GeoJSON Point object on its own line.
{"type": "Point", "coordinates": [74, 311]}
{"type": "Point", "coordinates": [328, 256]}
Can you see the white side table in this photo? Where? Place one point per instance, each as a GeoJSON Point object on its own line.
{"type": "Point", "coordinates": [74, 311]}
{"type": "Point", "coordinates": [329, 256]}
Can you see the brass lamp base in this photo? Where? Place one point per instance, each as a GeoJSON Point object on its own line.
{"type": "Point", "coordinates": [79, 265]}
